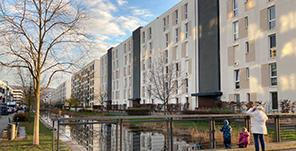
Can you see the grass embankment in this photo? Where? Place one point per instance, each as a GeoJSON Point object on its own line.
{"type": "Point", "coordinates": [45, 139]}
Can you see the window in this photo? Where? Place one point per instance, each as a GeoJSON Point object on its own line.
{"type": "Point", "coordinates": [247, 47]}
{"type": "Point", "coordinates": [176, 50]}
{"type": "Point", "coordinates": [236, 55]}
{"type": "Point", "coordinates": [150, 62]}
{"type": "Point", "coordinates": [236, 73]}
{"type": "Point", "coordinates": [125, 60]}
{"type": "Point", "coordinates": [150, 48]}
{"type": "Point", "coordinates": [166, 69]}
{"type": "Point", "coordinates": [124, 48]}
{"type": "Point", "coordinates": [143, 67]}
{"type": "Point", "coordinates": [273, 74]}
{"type": "Point", "coordinates": [246, 22]}
{"type": "Point", "coordinates": [235, 8]}
{"type": "Point", "coordinates": [143, 36]}
{"type": "Point", "coordinates": [176, 13]}
{"type": "Point", "coordinates": [274, 99]}
{"type": "Point", "coordinates": [116, 53]}
{"type": "Point", "coordinates": [177, 70]}
{"type": "Point", "coordinates": [186, 30]}
{"type": "Point", "coordinates": [235, 31]}
{"type": "Point", "coordinates": [186, 67]}
{"type": "Point", "coordinates": [237, 98]}
{"type": "Point", "coordinates": [150, 33]}
{"type": "Point", "coordinates": [176, 86]}
{"type": "Point", "coordinates": [177, 102]}
{"type": "Point", "coordinates": [164, 24]}
{"type": "Point", "coordinates": [271, 18]}
{"type": "Point", "coordinates": [186, 11]}
{"type": "Point", "coordinates": [272, 46]}
{"type": "Point", "coordinates": [247, 73]}
{"type": "Point", "coordinates": [177, 35]}
{"type": "Point", "coordinates": [143, 91]}
{"type": "Point", "coordinates": [166, 56]}
{"type": "Point", "coordinates": [186, 85]}
{"type": "Point", "coordinates": [248, 97]}
{"type": "Point", "coordinates": [186, 49]}
{"type": "Point", "coordinates": [166, 40]}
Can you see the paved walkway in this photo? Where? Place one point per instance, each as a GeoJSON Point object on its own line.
{"type": "Point", "coordinates": [72, 145]}
{"type": "Point", "coordinates": [269, 146]}
{"type": "Point", "coordinates": [4, 122]}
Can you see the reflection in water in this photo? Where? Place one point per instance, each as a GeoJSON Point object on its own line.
{"type": "Point", "coordinates": [102, 137]}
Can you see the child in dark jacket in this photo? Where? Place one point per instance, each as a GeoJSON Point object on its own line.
{"type": "Point", "coordinates": [226, 129]}
{"type": "Point", "coordinates": [244, 139]}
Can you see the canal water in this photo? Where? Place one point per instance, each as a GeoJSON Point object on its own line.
{"type": "Point", "coordinates": [102, 137]}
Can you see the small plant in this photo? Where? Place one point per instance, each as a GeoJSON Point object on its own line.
{"type": "Point", "coordinates": [137, 111]}
{"type": "Point", "coordinates": [285, 106]}
{"type": "Point", "coordinates": [21, 117]}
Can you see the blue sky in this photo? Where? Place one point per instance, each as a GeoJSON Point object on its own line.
{"type": "Point", "coordinates": [112, 21]}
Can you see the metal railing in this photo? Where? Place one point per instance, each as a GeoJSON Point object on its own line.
{"type": "Point", "coordinates": [169, 119]}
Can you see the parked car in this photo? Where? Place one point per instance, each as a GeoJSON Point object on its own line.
{"type": "Point", "coordinates": [10, 109]}
{"type": "Point", "coordinates": [3, 110]}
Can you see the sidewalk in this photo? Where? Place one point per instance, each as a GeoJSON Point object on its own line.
{"type": "Point", "coordinates": [67, 141]}
{"type": "Point", "coordinates": [269, 146]}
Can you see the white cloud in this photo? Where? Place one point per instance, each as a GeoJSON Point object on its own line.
{"type": "Point", "coordinates": [121, 2]}
{"type": "Point", "coordinates": [141, 12]}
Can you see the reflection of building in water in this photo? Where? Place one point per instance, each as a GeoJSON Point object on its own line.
{"type": "Point", "coordinates": [102, 137]}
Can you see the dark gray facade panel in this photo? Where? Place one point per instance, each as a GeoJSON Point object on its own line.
{"type": "Point", "coordinates": [208, 46]}
{"type": "Point", "coordinates": [136, 63]}
{"type": "Point", "coordinates": [109, 74]}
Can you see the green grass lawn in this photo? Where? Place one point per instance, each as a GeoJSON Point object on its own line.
{"type": "Point", "coordinates": [45, 139]}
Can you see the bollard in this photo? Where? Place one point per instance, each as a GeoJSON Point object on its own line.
{"type": "Point", "coordinates": [11, 135]}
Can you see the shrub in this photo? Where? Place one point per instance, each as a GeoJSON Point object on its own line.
{"type": "Point", "coordinates": [22, 117]}
{"type": "Point", "coordinates": [84, 110]}
{"type": "Point", "coordinates": [137, 111]}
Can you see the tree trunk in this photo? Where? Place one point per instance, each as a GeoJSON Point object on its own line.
{"type": "Point", "coordinates": [36, 118]}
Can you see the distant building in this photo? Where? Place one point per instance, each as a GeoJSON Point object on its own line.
{"type": "Point", "coordinates": [85, 84]}
{"type": "Point", "coordinates": [5, 93]}
{"type": "Point", "coordinates": [63, 92]}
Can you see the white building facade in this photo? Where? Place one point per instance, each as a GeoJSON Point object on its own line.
{"type": "Point", "coordinates": [85, 84]}
{"type": "Point", "coordinates": [257, 51]}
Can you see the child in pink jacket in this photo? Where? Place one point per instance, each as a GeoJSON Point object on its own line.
{"type": "Point", "coordinates": [244, 139]}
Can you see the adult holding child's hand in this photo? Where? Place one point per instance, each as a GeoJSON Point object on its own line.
{"type": "Point", "coordinates": [258, 125]}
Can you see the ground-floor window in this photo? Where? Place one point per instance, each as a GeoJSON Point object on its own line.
{"type": "Point", "coordinates": [274, 99]}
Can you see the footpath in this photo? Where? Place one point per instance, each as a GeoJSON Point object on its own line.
{"type": "Point", "coordinates": [268, 147]}
{"type": "Point", "coordinates": [71, 144]}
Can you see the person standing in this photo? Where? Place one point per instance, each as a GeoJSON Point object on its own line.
{"type": "Point", "coordinates": [226, 129]}
{"type": "Point", "coordinates": [258, 125]}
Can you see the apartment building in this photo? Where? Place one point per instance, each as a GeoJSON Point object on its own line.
{"type": "Point", "coordinates": [17, 95]}
{"type": "Point", "coordinates": [63, 92]}
{"type": "Point", "coordinates": [258, 51]}
{"type": "Point", "coordinates": [186, 37]}
{"type": "Point", "coordinates": [5, 93]}
{"type": "Point", "coordinates": [171, 38]}
{"type": "Point", "coordinates": [120, 69]}
{"type": "Point", "coordinates": [85, 84]}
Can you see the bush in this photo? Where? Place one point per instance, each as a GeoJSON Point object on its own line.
{"type": "Point", "coordinates": [137, 111]}
{"type": "Point", "coordinates": [209, 111]}
{"type": "Point", "coordinates": [22, 117]}
{"type": "Point", "coordinates": [84, 110]}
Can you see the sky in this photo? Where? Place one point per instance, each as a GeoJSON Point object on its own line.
{"type": "Point", "coordinates": [110, 23]}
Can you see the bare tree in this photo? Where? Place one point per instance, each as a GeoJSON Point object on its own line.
{"type": "Point", "coordinates": [102, 96]}
{"type": "Point", "coordinates": [164, 79]}
{"type": "Point", "coordinates": [43, 36]}
{"type": "Point", "coordinates": [71, 102]}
